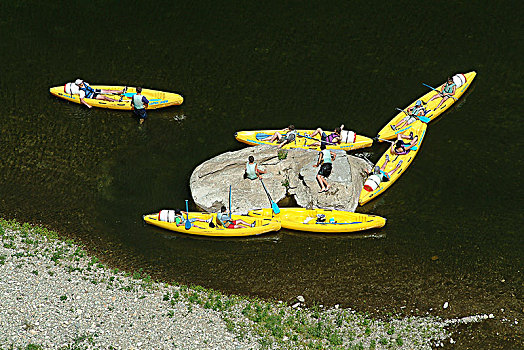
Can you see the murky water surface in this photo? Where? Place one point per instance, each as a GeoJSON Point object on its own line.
{"type": "Point", "coordinates": [454, 230]}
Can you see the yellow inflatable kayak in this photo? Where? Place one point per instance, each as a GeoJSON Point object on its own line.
{"type": "Point", "coordinates": [462, 83]}
{"type": "Point", "coordinates": [256, 137]}
{"type": "Point", "coordinates": [204, 224]}
{"type": "Point", "coordinates": [395, 164]}
{"type": "Point", "coordinates": [322, 220]}
{"type": "Point", "coordinates": [157, 99]}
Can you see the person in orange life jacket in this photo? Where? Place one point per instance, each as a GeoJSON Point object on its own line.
{"type": "Point", "coordinates": [84, 90]}
{"type": "Point", "coordinates": [413, 112]}
{"type": "Point", "coordinates": [139, 103]}
{"type": "Point", "coordinates": [400, 148]}
{"type": "Point", "coordinates": [252, 170]}
{"type": "Point", "coordinates": [446, 92]}
{"type": "Point", "coordinates": [326, 157]}
{"type": "Point", "coordinates": [224, 219]}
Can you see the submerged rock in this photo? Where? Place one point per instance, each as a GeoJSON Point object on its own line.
{"type": "Point", "coordinates": [288, 180]}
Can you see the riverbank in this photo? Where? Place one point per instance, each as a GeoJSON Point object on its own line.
{"type": "Point", "coordinates": [55, 296]}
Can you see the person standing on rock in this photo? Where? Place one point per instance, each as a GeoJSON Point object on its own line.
{"type": "Point", "coordinates": [326, 158]}
{"type": "Point", "coordinates": [252, 170]}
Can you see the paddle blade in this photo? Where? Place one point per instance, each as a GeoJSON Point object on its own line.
{"type": "Point", "coordinates": [187, 223]}
{"type": "Point", "coordinates": [424, 119]}
{"type": "Point", "coordinates": [275, 208]}
{"type": "Point", "coordinates": [261, 136]}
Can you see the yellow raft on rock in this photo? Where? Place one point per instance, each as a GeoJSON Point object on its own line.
{"type": "Point", "coordinates": [322, 220]}
{"type": "Point", "coordinates": [352, 140]}
{"type": "Point", "coordinates": [157, 99]}
{"type": "Point", "coordinates": [204, 224]}
{"type": "Point", "coordinates": [462, 83]}
{"type": "Point", "coordinates": [375, 183]}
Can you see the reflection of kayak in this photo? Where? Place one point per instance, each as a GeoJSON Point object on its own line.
{"type": "Point", "coordinates": [256, 137]}
{"type": "Point", "coordinates": [157, 99]}
{"type": "Point", "coordinates": [262, 225]}
{"type": "Point", "coordinates": [462, 81]}
{"type": "Point", "coordinates": [322, 220]}
{"type": "Point", "coordinates": [373, 187]}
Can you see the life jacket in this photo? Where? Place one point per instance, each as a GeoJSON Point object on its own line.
{"type": "Point", "coordinates": [448, 88]}
{"type": "Point", "coordinates": [88, 90]}
{"type": "Point", "coordinates": [331, 137]}
{"type": "Point", "coordinates": [419, 111]}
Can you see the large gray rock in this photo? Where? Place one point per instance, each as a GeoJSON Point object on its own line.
{"type": "Point", "coordinates": [287, 180]}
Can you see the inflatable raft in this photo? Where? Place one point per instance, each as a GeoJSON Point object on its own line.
{"type": "Point", "coordinates": [157, 99]}
{"type": "Point", "coordinates": [322, 220]}
{"type": "Point", "coordinates": [462, 83]}
{"type": "Point", "coordinates": [375, 185]}
{"type": "Point", "coordinates": [303, 140]}
{"type": "Point", "coordinates": [204, 224]}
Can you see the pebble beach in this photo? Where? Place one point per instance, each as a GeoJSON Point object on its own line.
{"type": "Point", "coordinates": [55, 296]}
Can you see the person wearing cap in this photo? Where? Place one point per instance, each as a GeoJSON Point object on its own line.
{"type": "Point", "coordinates": [84, 90]}
{"type": "Point", "coordinates": [139, 103]}
{"type": "Point", "coordinates": [415, 111]}
{"type": "Point", "coordinates": [326, 158]}
{"type": "Point", "coordinates": [447, 91]}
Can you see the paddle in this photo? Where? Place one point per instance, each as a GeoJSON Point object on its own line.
{"type": "Point", "coordinates": [188, 223]}
{"type": "Point", "coordinates": [274, 205]}
{"type": "Point", "coordinates": [422, 119]}
{"type": "Point", "coordinates": [229, 200]}
{"type": "Point", "coordinates": [261, 136]}
{"type": "Point", "coordinates": [439, 92]}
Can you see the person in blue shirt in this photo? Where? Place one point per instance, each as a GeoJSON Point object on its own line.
{"type": "Point", "coordinates": [252, 170]}
{"type": "Point", "coordinates": [326, 158]}
{"type": "Point", "coordinates": [447, 91]}
{"type": "Point", "coordinates": [139, 103]}
{"type": "Point", "coordinates": [224, 220]}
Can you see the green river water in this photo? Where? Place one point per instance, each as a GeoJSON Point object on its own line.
{"type": "Point", "coordinates": [454, 231]}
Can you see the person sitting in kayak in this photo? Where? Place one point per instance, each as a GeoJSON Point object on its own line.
{"type": "Point", "coordinates": [180, 218]}
{"type": "Point", "coordinates": [330, 140]}
{"type": "Point", "coordinates": [224, 219]}
{"type": "Point", "coordinates": [252, 170]}
{"type": "Point", "coordinates": [400, 148]}
{"type": "Point", "coordinates": [415, 111]}
{"type": "Point", "coordinates": [284, 136]}
{"type": "Point", "coordinates": [380, 175]}
{"type": "Point", "coordinates": [84, 90]}
{"type": "Point", "coordinates": [447, 91]}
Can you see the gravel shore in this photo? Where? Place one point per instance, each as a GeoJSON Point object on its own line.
{"type": "Point", "coordinates": [54, 296]}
